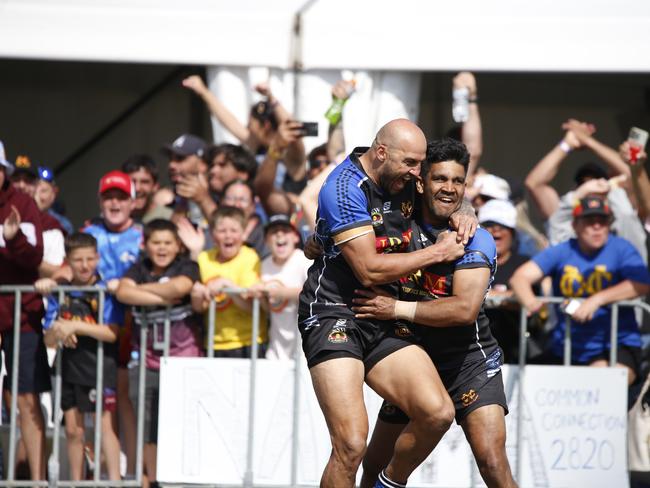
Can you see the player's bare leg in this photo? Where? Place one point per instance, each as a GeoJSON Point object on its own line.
{"type": "Point", "coordinates": [408, 379]}
{"type": "Point", "coordinates": [380, 451]}
{"type": "Point", "coordinates": [338, 384]}
{"type": "Point", "coordinates": [485, 430]}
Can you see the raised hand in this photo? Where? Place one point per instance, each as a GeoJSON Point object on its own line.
{"type": "Point", "coordinates": [11, 225]}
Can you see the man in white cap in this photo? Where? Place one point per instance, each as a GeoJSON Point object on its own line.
{"type": "Point", "coordinates": [499, 218]}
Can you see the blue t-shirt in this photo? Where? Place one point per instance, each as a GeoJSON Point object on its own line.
{"type": "Point", "coordinates": [118, 251]}
{"type": "Point", "coordinates": [578, 275]}
{"type": "Point", "coordinates": [111, 315]}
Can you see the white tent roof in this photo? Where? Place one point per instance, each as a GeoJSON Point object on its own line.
{"type": "Point", "coordinates": [238, 33]}
{"type": "Point", "coordinates": [538, 35]}
{"type": "Point", "coordinates": [543, 35]}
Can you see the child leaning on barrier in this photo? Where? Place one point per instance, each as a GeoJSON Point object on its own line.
{"type": "Point", "coordinates": [229, 264]}
{"type": "Point", "coordinates": [76, 328]}
{"type": "Point", "coordinates": [283, 274]}
{"type": "Point", "coordinates": [157, 285]}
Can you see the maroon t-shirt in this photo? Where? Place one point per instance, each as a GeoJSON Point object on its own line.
{"type": "Point", "coordinates": [20, 258]}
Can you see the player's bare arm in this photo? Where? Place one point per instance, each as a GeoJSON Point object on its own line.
{"type": "Point", "coordinates": [372, 269]}
{"type": "Point", "coordinates": [461, 308]}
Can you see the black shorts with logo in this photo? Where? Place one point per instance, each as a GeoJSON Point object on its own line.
{"type": "Point", "coordinates": [84, 398]}
{"type": "Point", "coordinates": [330, 337]}
{"type": "Point", "coordinates": [473, 384]}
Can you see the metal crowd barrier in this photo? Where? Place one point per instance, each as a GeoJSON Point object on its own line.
{"type": "Point", "coordinates": [53, 463]}
{"type": "Point", "coordinates": [164, 346]}
{"type": "Point", "coordinates": [523, 337]}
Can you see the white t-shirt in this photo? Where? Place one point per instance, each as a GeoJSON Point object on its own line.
{"type": "Point", "coordinates": [284, 316]}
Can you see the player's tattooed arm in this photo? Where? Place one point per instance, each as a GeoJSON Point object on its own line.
{"type": "Point", "coordinates": [464, 221]}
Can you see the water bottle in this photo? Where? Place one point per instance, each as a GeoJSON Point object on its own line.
{"type": "Point", "coordinates": [334, 113]}
{"type": "Point", "coordinates": [460, 106]}
{"type": "Point", "coordinates": [135, 360]}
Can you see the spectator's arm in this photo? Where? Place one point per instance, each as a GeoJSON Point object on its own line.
{"type": "Point", "coordinates": [200, 297]}
{"type": "Point", "coordinates": [63, 329]}
{"type": "Point", "coordinates": [309, 196]}
{"type": "Point", "coordinates": [471, 132]}
{"type": "Point", "coordinates": [281, 113]}
{"type": "Point", "coordinates": [130, 293]}
{"type": "Point", "coordinates": [195, 188]}
{"type": "Point", "coordinates": [538, 181]}
{"type": "Point", "coordinates": [218, 109]}
{"type": "Point", "coordinates": [47, 270]}
{"type": "Point", "coordinates": [172, 290]}
{"type": "Point", "coordinates": [522, 281]}
{"type": "Point", "coordinates": [23, 247]}
{"type": "Point", "coordinates": [335, 138]}
{"type": "Point", "coordinates": [584, 133]}
{"type": "Point", "coordinates": [625, 290]}
{"type": "Point", "coordinates": [287, 134]}
{"type": "Point", "coordinates": [640, 180]}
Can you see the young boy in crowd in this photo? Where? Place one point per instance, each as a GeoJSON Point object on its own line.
{"type": "Point", "coordinates": [78, 328]}
{"type": "Point", "coordinates": [163, 277]}
{"type": "Point", "coordinates": [229, 264]}
{"type": "Point", "coordinates": [283, 274]}
{"type": "Point", "coordinates": [118, 242]}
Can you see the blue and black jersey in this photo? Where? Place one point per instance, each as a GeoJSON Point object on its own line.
{"type": "Point", "coordinates": [451, 347]}
{"type": "Point", "coordinates": [350, 205]}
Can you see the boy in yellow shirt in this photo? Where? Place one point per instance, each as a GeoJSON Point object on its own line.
{"type": "Point", "coordinates": [229, 264]}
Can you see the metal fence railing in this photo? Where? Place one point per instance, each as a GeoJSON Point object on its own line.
{"type": "Point", "coordinates": [164, 346]}
{"type": "Point", "coordinates": [53, 463]}
{"type": "Point", "coordinates": [523, 337]}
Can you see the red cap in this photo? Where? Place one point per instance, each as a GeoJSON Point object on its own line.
{"type": "Point", "coordinates": [119, 180]}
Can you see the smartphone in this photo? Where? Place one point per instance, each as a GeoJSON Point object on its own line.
{"type": "Point", "coordinates": [637, 139]}
{"type": "Point", "coordinates": [309, 129]}
{"type": "Point", "coordinates": [569, 307]}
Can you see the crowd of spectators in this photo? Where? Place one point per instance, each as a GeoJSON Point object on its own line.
{"type": "Point", "coordinates": [230, 228]}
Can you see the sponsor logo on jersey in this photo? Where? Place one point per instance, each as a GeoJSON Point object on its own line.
{"type": "Point", "coordinates": [341, 323]}
{"type": "Point", "coordinates": [376, 216]}
{"type": "Point", "coordinates": [392, 244]}
{"type": "Point", "coordinates": [407, 209]}
{"type": "Point", "coordinates": [338, 335]}
{"type": "Point", "coordinates": [468, 398]}
{"type": "Point", "coordinates": [435, 284]}
{"type": "Point", "coordinates": [387, 208]}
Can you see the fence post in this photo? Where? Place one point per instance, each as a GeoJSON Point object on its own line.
{"type": "Point", "coordinates": [212, 316]}
{"type": "Point", "coordinates": [523, 330]}
{"type": "Point", "coordinates": [99, 393]}
{"type": "Point", "coordinates": [141, 391]}
{"type": "Point", "coordinates": [613, 341]}
{"type": "Point", "coordinates": [567, 339]}
{"type": "Point", "coordinates": [248, 476]}
{"type": "Point", "coordinates": [53, 465]}
{"type": "Point", "coordinates": [295, 434]}
{"type": "Point", "coordinates": [166, 332]}
{"type": "Point", "coordinates": [11, 471]}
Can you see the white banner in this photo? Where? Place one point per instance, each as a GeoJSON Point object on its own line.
{"type": "Point", "coordinates": [574, 427]}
